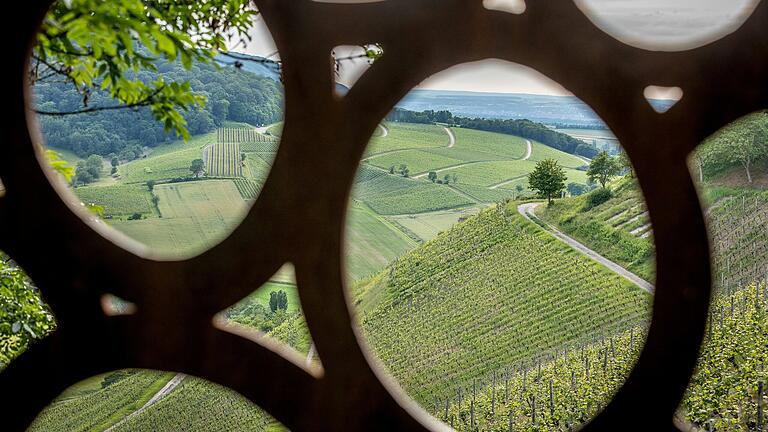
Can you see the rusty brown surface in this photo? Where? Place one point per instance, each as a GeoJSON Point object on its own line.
{"type": "Point", "coordinates": [303, 222]}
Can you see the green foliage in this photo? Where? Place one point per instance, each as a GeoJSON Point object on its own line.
{"type": "Point", "coordinates": [597, 197]}
{"type": "Point", "coordinates": [278, 300]}
{"type": "Point", "coordinates": [24, 317]}
{"type": "Point", "coordinates": [548, 178]}
{"type": "Point", "coordinates": [197, 167]}
{"type": "Point", "coordinates": [102, 46]}
{"type": "Point", "coordinates": [740, 143]}
{"type": "Point", "coordinates": [602, 168]}
{"type": "Point", "coordinates": [607, 228]}
{"type": "Point", "coordinates": [59, 165]}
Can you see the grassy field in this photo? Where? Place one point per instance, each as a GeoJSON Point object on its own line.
{"type": "Point", "coordinates": [418, 161]}
{"type": "Point", "coordinates": [408, 136]}
{"type": "Point", "coordinates": [372, 241]}
{"type": "Point", "coordinates": [195, 215]}
{"type": "Point", "coordinates": [427, 226]}
{"type": "Point", "coordinates": [166, 161]}
{"type": "Point", "coordinates": [489, 145]}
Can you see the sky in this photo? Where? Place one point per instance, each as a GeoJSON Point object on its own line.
{"type": "Point", "coordinates": [666, 25]}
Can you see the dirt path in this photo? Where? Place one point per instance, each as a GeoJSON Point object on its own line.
{"type": "Point", "coordinates": [506, 182]}
{"type": "Point", "coordinates": [448, 168]}
{"type": "Point", "coordinates": [528, 151]}
{"type": "Point", "coordinates": [527, 210]}
{"type": "Point", "coordinates": [384, 131]}
{"type": "Point", "coordinates": [160, 395]}
{"type": "Point", "coordinates": [451, 137]}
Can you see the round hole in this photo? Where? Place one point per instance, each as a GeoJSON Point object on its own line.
{"type": "Point", "coordinates": [667, 25]}
{"type": "Point", "coordinates": [171, 154]}
{"type": "Point", "coordinates": [485, 303]}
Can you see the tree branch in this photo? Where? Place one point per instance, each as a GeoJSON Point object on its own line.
{"type": "Point", "coordinates": [143, 102]}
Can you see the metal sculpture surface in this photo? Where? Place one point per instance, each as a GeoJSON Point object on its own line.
{"type": "Point", "coordinates": [303, 222]}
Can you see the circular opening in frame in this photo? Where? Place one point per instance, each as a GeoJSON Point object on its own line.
{"type": "Point", "coordinates": [730, 169]}
{"type": "Point", "coordinates": [145, 400]}
{"type": "Point", "coordinates": [499, 253]}
{"type": "Point", "coordinates": [667, 25]}
{"type": "Point", "coordinates": [162, 134]}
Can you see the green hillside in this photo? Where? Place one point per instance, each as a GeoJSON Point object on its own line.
{"type": "Point", "coordinates": [566, 392]}
{"type": "Point", "coordinates": [494, 291]}
{"type": "Point", "coordinates": [618, 229]}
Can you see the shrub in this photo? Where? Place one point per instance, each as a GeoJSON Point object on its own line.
{"type": "Point", "coordinates": [597, 197]}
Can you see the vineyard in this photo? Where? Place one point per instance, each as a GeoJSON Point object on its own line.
{"type": "Point", "coordinates": [493, 292]}
{"type": "Point", "coordinates": [197, 405]}
{"type": "Point", "coordinates": [737, 225]}
{"type": "Point", "coordinates": [248, 188]}
{"type": "Point", "coordinates": [104, 407]}
{"type": "Point", "coordinates": [724, 394]}
{"type": "Point", "coordinates": [223, 160]}
{"type": "Point", "coordinates": [117, 200]}
{"type": "Point", "coordinates": [391, 194]}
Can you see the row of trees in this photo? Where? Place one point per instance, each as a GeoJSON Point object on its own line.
{"type": "Point", "coordinates": [548, 177]}
{"type": "Point", "coordinates": [522, 128]}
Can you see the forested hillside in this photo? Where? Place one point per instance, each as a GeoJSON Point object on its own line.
{"type": "Point", "coordinates": [232, 95]}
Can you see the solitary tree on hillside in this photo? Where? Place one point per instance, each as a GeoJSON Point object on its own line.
{"type": "Point", "coordinates": [602, 168]}
{"type": "Point", "coordinates": [548, 178]}
{"type": "Point", "coordinates": [447, 179]}
{"type": "Point", "coordinates": [197, 167]}
{"type": "Point", "coordinates": [150, 185]}
{"type": "Point", "coordinates": [742, 142]}
{"type": "Point", "coordinates": [432, 176]}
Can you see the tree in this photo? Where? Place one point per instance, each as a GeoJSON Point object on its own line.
{"type": "Point", "coordinates": [741, 142]}
{"type": "Point", "coordinates": [99, 46]}
{"type": "Point", "coordinates": [392, 169]}
{"type": "Point", "coordinates": [602, 168]}
{"type": "Point", "coordinates": [446, 179]}
{"type": "Point", "coordinates": [548, 178]}
{"type": "Point", "coordinates": [576, 189]}
{"type": "Point", "coordinates": [278, 300]}
{"type": "Point", "coordinates": [197, 167]}
{"type": "Point", "coordinates": [151, 185]}
{"type": "Point", "coordinates": [114, 161]}
{"type": "Point", "coordinates": [432, 176]}
{"type": "Point", "coordinates": [94, 165]}
{"type": "Point", "coordinates": [625, 165]}
{"type": "Point", "coordinates": [25, 316]}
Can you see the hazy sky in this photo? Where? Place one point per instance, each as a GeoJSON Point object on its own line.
{"type": "Point", "coordinates": [650, 24]}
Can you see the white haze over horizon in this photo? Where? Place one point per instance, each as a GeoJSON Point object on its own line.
{"type": "Point", "coordinates": [649, 24]}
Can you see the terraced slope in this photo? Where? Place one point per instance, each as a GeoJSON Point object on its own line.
{"type": "Point", "coordinates": [618, 229]}
{"type": "Point", "coordinates": [493, 292]}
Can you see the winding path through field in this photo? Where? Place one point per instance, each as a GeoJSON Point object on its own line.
{"type": "Point", "coordinates": [160, 395]}
{"type": "Point", "coordinates": [451, 137]}
{"type": "Point", "coordinates": [527, 210]}
{"type": "Point", "coordinates": [506, 182]}
{"type": "Point", "coordinates": [384, 131]}
{"type": "Point", "coordinates": [528, 150]}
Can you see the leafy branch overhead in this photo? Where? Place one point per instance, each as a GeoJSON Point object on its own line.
{"type": "Point", "coordinates": [104, 46]}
